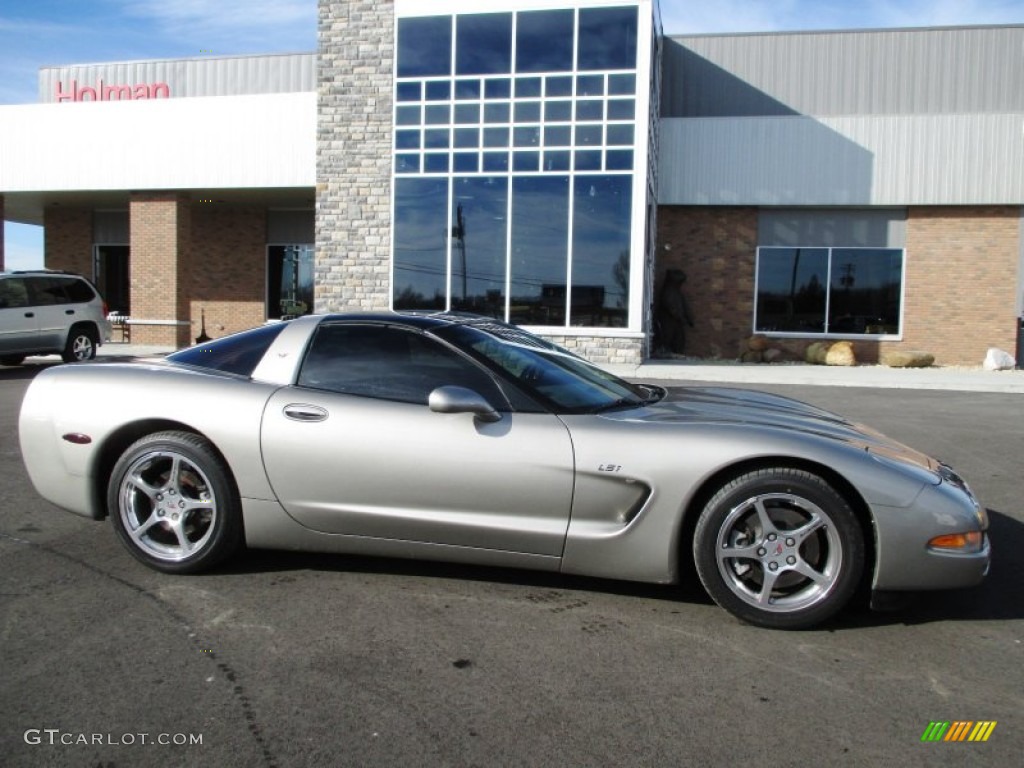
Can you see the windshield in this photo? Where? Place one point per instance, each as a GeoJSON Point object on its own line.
{"type": "Point", "coordinates": [557, 378]}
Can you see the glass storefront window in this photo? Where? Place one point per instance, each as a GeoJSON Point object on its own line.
{"type": "Point", "coordinates": [483, 44]}
{"type": "Point", "coordinates": [544, 41]}
{"type": "Point", "coordinates": [845, 291]}
{"type": "Point", "coordinates": [600, 247]}
{"type": "Point", "coordinates": [424, 46]}
{"type": "Point", "coordinates": [607, 38]}
{"type": "Point", "coordinates": [540, 250]}
{"type": "Point", "coordinates": [479, 229]}
{"type": "Point", "coordinates": [421, 253]}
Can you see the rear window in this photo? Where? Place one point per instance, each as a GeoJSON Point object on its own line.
{"type": "Point", "coordinates": [239, 353]}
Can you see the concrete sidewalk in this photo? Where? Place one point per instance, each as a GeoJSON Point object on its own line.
{"type": "Point", "coordinates": [726, 372]}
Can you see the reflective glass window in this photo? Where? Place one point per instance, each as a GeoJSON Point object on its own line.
{"type": "Point", "coordinates": [438, 114]}
{"type": "Point", "coordinates": [591, 109]}
{"type": "Point", "coordinates": [495, 162]}
{"type": "Point", "coordinates": [558, 111]}
{"type": "Point", "coordinates": [619, 160]}
{"type": "Point", "coordinates": [483, 44]}
{"type": "Point", "coordinates": [527, 87]}
{"type": "Point", "coordinates": [407, 116]}
{"type": "Point", "coordinates": [527, 136]}
{"type": "Point", "coordinates": [607, 38]}
{"type": "Point", "coordinates": [465, 162]}
{"type": "Point", "coordinates": [540, 238]}
{"type": "Point", "coordinates": [437, 138]}
{"type": "Point", "coordinates": [792, 285]}
{"type": "Point", "coordinates": [621, 85]}
{"type": "Point", "coordinates": [528, 112]}
{"type": "Point", "coordinates": [467, 89]}
{"type": "Point", "coordinates": [407, 139]}
{"type": "Point", "coordinates": [621, 109]}
{"type": "Point", "coordinates": [435, 162]}
{"type": "Point", "coordinates": [864, 295]}
{"type": "Point", "coordinates": [525, 161]}
{"type": "Point", "coordinates": [588, 135]}
{"type": "Point", "coordinates": [420, 247]}
{"type": "Point", "coordinates": [409, 91]}
{"type": "Point", "coordinates": [467, 113]}
{"type": "Point", "coordinates": [407, 163]}
{"type": "Point", "coordinates": [479, 235]}
{"type": "Point", "coordinates": [424, 46]}
{"type": "Point", "coordinates": [620, 135]}
{"type": "Point", "coordinates": [439, 90]}
{"type": "Point", "coordinates": [495, 137]}
{"type": "Point", "coordinates": [557, 135]}
{"type": "Point", "coordinates": [500, 88]}
{"type": "Point", "coordinates": [467, 137]}
{"type": "Point", "coordinates": [558, 86]}
{"type": "Point", "coordinates": [497, 113]}
{"type": "Point", "coordinates": [558, 160]}
{"type": "Point", "coordinates": [600, 247]}
{"type": "Point", "coordinates": [544, 41]}
{"type": "Point", "coordinates": [590, 85]}
{"type": "Point", "coordinates": [588, 160]}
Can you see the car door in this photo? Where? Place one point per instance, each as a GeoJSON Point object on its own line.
{"type": "Point", "coordinates": [353, 448]}
{"type": "Point", "coordinates": [53, 312]}
{"type": "Point", "coordinates": [18, 322]}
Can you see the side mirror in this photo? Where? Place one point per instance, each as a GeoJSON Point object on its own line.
{"type": "Point", "coordinates": [452, 399]}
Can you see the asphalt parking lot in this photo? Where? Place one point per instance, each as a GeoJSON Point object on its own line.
{"type": "Point", "coordinates": [283, 659]}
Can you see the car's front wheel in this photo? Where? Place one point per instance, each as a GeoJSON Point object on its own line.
{"type": "Point", "coordinates": [81, 345]}
{"type": "Point", "coordinates": [173, 503]}
{"type": "Point", "coordinates": [779, 548]}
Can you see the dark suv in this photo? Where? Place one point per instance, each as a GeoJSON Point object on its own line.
{"type": "Point", "coordinates": [45, 312]}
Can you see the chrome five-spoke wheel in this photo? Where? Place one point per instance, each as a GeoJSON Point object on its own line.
{"type": "Point", "coordinates": [779, 548]}
{"type": "Point", "coordinates": [172, 503]}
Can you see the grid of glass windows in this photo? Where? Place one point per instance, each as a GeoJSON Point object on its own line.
{"type": "Point", "coordinates": [514, 161]}
{"type": "Point", "coordinates": [838, 291]}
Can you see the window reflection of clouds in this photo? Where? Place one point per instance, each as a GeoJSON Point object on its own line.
{"type": "Point", "coordinates": [540, 230]}
{"type": "Point", "coordinates": [544, 41]}
{"type": "Point", "coordinates": [607, 38]}
{"type": "Point", "coordinates": [600, 250]}
{"type": "Point", "coordinates": [483, 44]}
{"type": "Point", "coordinates": [421, 207]}
{"type": "Point", "coordinates": [424, 46]}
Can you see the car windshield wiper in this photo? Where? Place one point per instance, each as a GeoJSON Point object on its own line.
{"type": "Point", "coordinates": [622, 402]}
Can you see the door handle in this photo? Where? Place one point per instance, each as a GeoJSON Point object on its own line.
{"type": "Point", "coordinates": [30, 314]}
{"type": "Point", "coordinates": [69, 311]}
{"type": "Point", "coordinates": [305, 412]}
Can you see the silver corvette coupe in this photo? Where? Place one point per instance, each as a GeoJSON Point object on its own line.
{"type": "Point", "coordinates": [458, 438]}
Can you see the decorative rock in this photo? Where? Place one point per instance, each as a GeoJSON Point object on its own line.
{"type": "Point", "coordinates": [751, 356]}
{"type": "Point", "coordinates": [757, 343]}
{"type": "Point", "coordinates": [899, 358]}
{"type": "Point", "coordinates": [998, 360]}
{"type": "Point", "coordinates": [816, 353]}
{"type": "Point", "coordinates": [772, 355]}
{"type": "Point", "coordinates": [841, 353]}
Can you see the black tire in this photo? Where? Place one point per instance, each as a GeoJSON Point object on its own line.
{"type": "Point", "coordinates": [779, 548]}
{"type": "Point", "coordinates": [12, 359]}
{"type": "Point", "coordinates": [81, 345]}
{"type": "Point", "coordinates": [173, 503]}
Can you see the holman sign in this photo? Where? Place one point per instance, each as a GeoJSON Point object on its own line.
{"type": "Point", "coordinates": [103, 92]}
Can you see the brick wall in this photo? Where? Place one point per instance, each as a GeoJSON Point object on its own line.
{"type": "Point", "coordinates": [716, 247]}
{"type": "Point", "coordinates": [67, 242]}
{"type": "Point", "coordinates": [961, 280]}
{"type": "Point", "coordinates": [160, 225]}
{"type": "Point", "coordinates": [960, 295]}
{"type": "Point", "coordinates": [227, 272]}
{"type": "Point", "coordinates": [353, 211]}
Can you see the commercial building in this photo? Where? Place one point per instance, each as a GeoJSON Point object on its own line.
{"type": "Point", "coordinates": [546, 163]}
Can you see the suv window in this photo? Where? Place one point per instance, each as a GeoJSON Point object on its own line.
{"type": "Point", "coordinates": [389, 363]}
{"type": "Point", "coordinates": [78, 291]}
{"type": "Point", "coordinates": [13, 293]}
{"type": "Point", "coordinates": [47, 290]}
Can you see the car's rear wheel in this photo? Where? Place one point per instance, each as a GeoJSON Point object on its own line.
{"type": "Point", "coordinates": [173, 503]}
{"type": "Point", "coordinates": [81, 345]}
{"type": "Point", "coordinates": [12, 359]}
{"type": "Point", "coordinates": [779, 548]}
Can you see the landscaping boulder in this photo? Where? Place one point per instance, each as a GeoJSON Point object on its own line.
{"type": "Point", "coordinates": [998, 360]}
{"type": "Point", "coordinates": [900, 358]}
{"type": "Point", "coordinates": [816, 353]}
{"type": "Point", "coordinates": [757, 343]}
{"type": "Point", "coordinates": [841, 353]}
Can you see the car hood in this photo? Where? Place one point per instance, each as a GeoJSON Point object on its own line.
{"type": "Point", "coordinates": [725, 406]}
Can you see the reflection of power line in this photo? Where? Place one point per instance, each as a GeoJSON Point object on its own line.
{"type": "Point", "coordinates": [495, 279]}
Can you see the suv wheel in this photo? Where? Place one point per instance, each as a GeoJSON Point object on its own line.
{"type": "Point", "coordinates": [81, 345]}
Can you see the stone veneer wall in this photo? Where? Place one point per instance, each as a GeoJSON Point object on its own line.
{"type": "Point", "coordinates": [353, 209]}
{"type": "Point", "coordinates": [602, 350]}
{"type": "Point", "coordinates": [961, 278]}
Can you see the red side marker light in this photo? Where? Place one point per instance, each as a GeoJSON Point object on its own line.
{"type": "Point", "coordinates": [77, 438]}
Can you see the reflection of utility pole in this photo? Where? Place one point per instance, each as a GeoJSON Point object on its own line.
{"type": "Point", "coordinates": [847, 279]}
{"type": "Point", "coordinates": [459, 233]}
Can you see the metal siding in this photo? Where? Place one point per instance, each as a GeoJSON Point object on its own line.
{"type": "Point", "coordinates": [881, 72]}
{"type": "Point", "coordinates": [231, 76]}
{"type": "Point", "coordinates": [887, 160]}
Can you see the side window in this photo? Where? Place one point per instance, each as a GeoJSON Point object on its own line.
{"type": "Point", "coordinates": [46, 291]}
{"type": "Point", "coordinates": [13, 293]}
{"type": "Point", "coordinates": [390, 364]}
{"type": "Point", "coordinates": [78, 291]}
